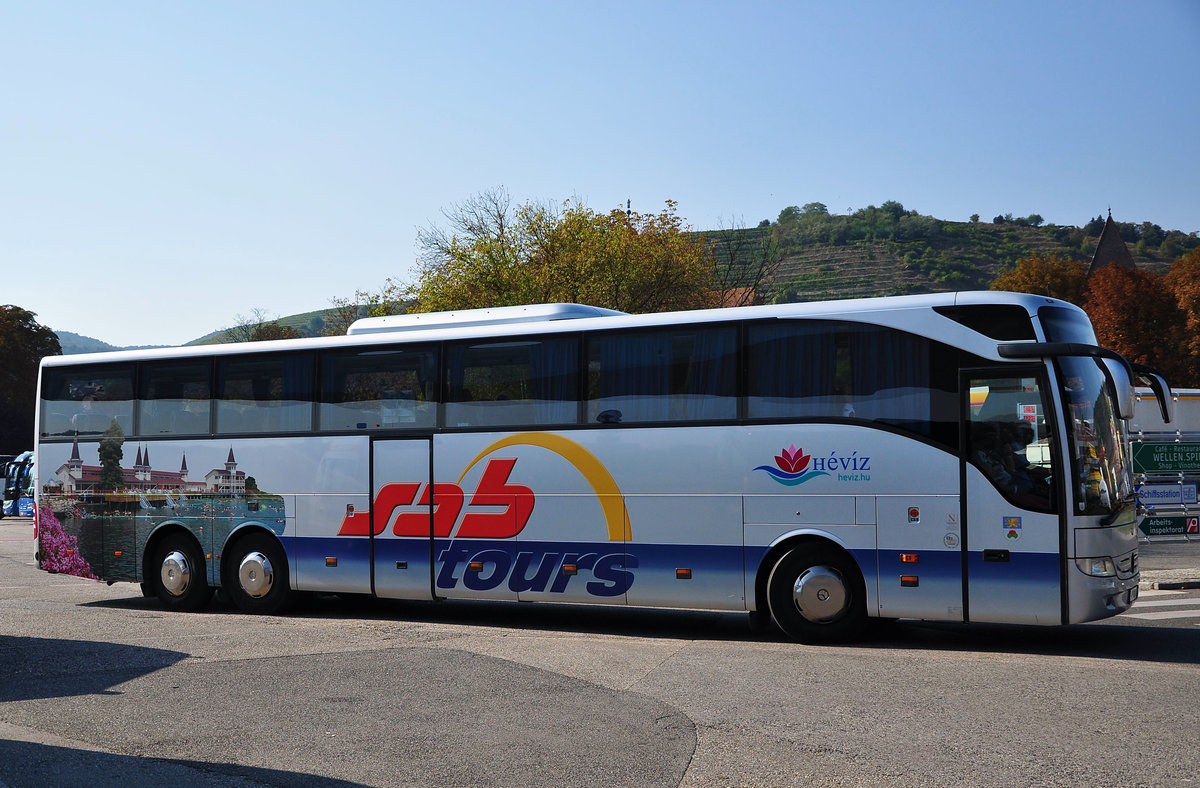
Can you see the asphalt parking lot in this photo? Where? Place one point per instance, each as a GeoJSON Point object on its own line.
{"type": "Point", "coordinates": [99, 685]}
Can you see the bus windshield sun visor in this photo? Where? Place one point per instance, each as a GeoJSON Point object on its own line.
{"type": "Point", "coordinates": [1046, 349]}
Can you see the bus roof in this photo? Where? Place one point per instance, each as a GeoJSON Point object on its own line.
{"type": "Point", "coordinates": [554, 318]}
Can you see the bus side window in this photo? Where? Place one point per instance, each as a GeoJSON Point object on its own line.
{"type": "Point", "coordinates": [368, 389]}
{"type": "Point", "coordinates": [264, 393]}
{"type": "Point", "coordinates": [523, 382]}
{"type": "Point", "coordinates": [679, 374]}
{"type": "Point", "coordinates": [824, 369]}
{"type": "Point", "coordinates": [1007, 439]}
{"type": "Point", "coordinates": [175, 398]}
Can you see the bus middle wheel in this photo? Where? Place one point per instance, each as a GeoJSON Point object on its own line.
{"type": "Point", "coordinates": [257, 575]}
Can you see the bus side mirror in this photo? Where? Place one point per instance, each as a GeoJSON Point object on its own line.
{"type": "Point", "coordinates": [1161, 389]}
{"type": "Point", "coordinates": [1122, 387]}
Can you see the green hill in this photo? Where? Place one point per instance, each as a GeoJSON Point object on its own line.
{"type": "Point", "coordinates": [888, 250]}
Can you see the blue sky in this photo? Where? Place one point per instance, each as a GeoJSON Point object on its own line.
{"type": "Point", "coordinates": [168, 166]}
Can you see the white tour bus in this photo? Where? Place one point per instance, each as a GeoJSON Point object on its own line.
{"type": "Point", "coordinates": [960, 457]}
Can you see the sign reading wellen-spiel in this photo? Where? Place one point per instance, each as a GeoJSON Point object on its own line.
{"type": "Point", "coordinates": [1166, 457]}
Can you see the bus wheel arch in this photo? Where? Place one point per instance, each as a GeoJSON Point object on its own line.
{"type": "Point", "coordinates": [813, 590]}
{"type": "Point", "coordinates": [174, 568]}
{"type": "Point", "coordinates": [255, 573]}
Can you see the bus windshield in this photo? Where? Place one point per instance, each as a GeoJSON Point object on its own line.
{"type": "Point", "coordinates": [1101, 466]}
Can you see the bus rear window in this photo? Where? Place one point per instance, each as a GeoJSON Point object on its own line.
{"type": "Point", "coordinates": [81, 401]}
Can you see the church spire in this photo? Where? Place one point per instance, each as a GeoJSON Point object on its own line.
{"type": "Point", "coordinates": [1110, 248]}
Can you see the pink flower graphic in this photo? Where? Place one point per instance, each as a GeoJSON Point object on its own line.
{"type": "Point", "coordinates": [793, 460]}
{"type": "Point", "coordinates": [60, 550]}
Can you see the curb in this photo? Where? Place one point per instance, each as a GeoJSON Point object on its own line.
{"type": "Point", "coordinates": [1176, 585]}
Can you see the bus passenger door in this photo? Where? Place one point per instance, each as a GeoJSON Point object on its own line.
{"type": "Point", "coordinates": [402, 518]}
{"type": "Point", "coordinates": [1013, 543]}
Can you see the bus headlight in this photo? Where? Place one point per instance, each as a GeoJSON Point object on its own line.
{"type": "Point", "coordinates": [1097, 567]}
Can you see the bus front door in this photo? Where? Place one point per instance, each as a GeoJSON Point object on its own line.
{"type": "Point", "coordinates": [1013, 543]}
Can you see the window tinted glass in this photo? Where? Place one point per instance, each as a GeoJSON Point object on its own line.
{"type": "Point", "coordinates": [1102, 466]}
{"type": "Point", "coordinates": [682, 374]}
{"type": "Point", "coordinates": [1008, 438]}
{"type": "Point", "coordinates": [512, 383]}
{"type": "Point", "coordinates": [270, 393]}
{"type": "Point", "coordinates": [175, 398]}
{"type": "Point", "coordinates": [1066, 325]}
{"type": "Point", "coordinates": [378, 389]}
{"type": "Point", "coordinates": [997, 321]}
{"type": "Point", "coordinates": [832, 370]}
{"type": "Point", "coordinates": [86, 400]}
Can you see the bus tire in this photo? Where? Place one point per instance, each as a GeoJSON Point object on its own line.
{"type": "Point", "coordinates": [816, 595]}
{"type": "Point", "coordinates": [257, 575]}
{"type": "Point", "coordinates": [178, 574]}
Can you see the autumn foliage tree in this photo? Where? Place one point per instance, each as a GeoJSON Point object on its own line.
{"type": "Point", "coordinates": [495, 254]}
{"type": "Point", "coordinates": [1184, 282]}
{"type": "Point", "coordinates": [1135, 313]}
{"type": "Point", "coordinates": [1049, 275]}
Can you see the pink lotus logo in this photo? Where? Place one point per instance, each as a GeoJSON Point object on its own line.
{"type": "Point", "coordinates": [791, 463]}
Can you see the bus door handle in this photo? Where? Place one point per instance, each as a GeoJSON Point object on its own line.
{"type": "Point", "coordinates": [995, 556]}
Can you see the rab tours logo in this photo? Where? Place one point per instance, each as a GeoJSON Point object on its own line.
{"type": "Point", "coordinates": [795, 467]}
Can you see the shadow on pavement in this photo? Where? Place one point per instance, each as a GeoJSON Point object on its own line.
{"type": "Point", "coordinates": [36, 765]}
{"type": "Point", "coordinates": [1107, 641]}
{"type": "Point", "coordinates": [37, 668]}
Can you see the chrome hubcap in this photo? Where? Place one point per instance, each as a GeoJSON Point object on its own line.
{"type": "Point", "coordinates": [255, 575]}
{"type": "Point", "coordinates": [820, 594]}
{"type": "Point", "coordinates": [176, 574]}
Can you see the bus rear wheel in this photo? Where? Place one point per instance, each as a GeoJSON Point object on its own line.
{"type": "Point", "coordinates": [816, 595]}
{"type": "Point", "coordinates": [178, 574]}
{"type": "Point", "coordinates": [257, 575]}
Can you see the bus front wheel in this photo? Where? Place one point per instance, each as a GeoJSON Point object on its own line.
{"type": "Point", "coordinates": [257, 575]}
{"type": "Point", "coordinates": [816, 594]}
{"type": "Point", "coordinates": [178, 574]}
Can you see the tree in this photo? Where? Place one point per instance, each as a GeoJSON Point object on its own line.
{"type": "Point", "coordinates": [1136, 314]}
{"type": "Point", "coordinates": [495, 255]}
{"type": "Point", "coordinates": [258, 327]}
{"type": "Point", "coordinates": [23, 344]}
{"type": "Point", "coordinates": [1049, 275]}
{"type": "Point", "coordinates": [1183, 280]}
{"type": "Point", "coordinates": [111, 475]}
{"type": "Point", "coordinates": [744, 260]}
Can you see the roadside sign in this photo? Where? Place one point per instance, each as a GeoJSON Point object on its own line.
{"type": "Point", "coordinates": [1166, 457]}
{"type": "Point", "coordinates": [1169, 526]}
{"type": "Point", "coordinates": [1152, 495]}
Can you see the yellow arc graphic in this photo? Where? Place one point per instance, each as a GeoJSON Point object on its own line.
{"type": "Point", "coordinates": [612, 501]}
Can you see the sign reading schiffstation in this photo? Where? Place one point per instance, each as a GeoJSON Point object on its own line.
{"type": "Point", "coordinates": [1166, 457]}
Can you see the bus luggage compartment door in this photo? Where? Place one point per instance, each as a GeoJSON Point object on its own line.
{"type": "Point", "coordinates": [920, 557]}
